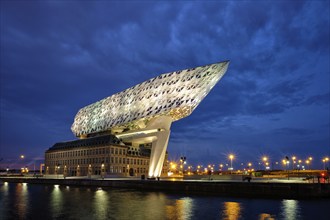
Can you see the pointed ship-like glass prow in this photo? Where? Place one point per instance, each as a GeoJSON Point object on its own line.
{"type": "Point", "coordinates": [174, 94]}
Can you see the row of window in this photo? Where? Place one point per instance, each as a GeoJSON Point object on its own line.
{"type": "Point", "coordinates": [100, 160]}
{"type": "Point", "coordinates": [79, 153]}
{"type": "Point", "coordinates": [95, 170]}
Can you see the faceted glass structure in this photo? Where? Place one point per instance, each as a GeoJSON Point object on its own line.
{"type": "Point", "coordinates": [174, 94]}
{"type": "Point", "coordinates": [153, 104]}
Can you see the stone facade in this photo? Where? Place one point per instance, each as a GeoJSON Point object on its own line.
{"type": "Point", "coordinates": [101, 155]}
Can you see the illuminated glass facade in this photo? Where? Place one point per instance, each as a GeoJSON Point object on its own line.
{"type": "Point", "coordinates": [174, 94]}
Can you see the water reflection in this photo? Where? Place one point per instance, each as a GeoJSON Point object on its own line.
{"type": "Point", "coordinates": [154, 203]}
{"type": "Point", "coordinates": [56, 202]}
{"type": "Point", "coordinates": [140, 205]}
{"type": "Point", "coordinates": [290, 209]}
{"type": "Point", "coordinates": [4, 198]}
{"type": "Point", "coordinates": [181, 209]}
{"type": "Point", "coordinates": [21, 194]}
{"type": "Point", "coordinates": [266, 216]}
{"type": "Point", "coordinates": [101, 204]}
{"type": "Point", "coordinates": [32, 201]}
{"type": "Point", "coordinates": [231, 210]}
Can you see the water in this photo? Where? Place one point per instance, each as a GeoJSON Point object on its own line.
{"type": "Point", "coordinates": [28, 201]}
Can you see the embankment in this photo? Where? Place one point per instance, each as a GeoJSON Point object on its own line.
{"type": "Point", "coordinates": [237, 189]}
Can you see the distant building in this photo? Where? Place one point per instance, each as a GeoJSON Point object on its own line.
{"type": "Point", "coordinates": [128, 132]}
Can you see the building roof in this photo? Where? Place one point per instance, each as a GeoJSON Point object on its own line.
{"type": "Point", "coordinates": [88, 142]}
{"type": "Point", "coordinates": [174, 94]}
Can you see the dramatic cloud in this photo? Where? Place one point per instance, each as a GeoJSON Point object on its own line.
{"type": "Point", "coordinates": [57, 57]}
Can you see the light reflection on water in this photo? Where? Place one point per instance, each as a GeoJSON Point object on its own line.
{"type": "Point", "coordinates": [21, 195]}
{"type": "Point", "coordinates": [231, 210]}
{"type": "Point", "coordinates": [180, 209]}
{"type": "Point", "coordinates": [28, 201]}
{"type": "Point", "coordinates": [56, 201]}
{"type": "Point", "coordinates": [290, 209]}
{"type": "Point", "coordinates": [101, 203]}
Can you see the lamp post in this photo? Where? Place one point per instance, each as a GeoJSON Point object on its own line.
{"type": "Point", "coordinates": [293, 162]}
{"type": "Point", "coordinates": [22, 158]}
{"type": "Point", "coordinates": [325, 160]}
{"type": "Point", "coordinates": [183, 162]}
{"type": "Point", "coordinates": [265, 159]}
{"type": "Point", "coordinates": [310, 161]}
{"type": "Point", "coordinates": [231, 157]}
{"type": "Point", "coordinates": [220, 168]}
{"type": "Point", "coordinates": [198, 169]}
{"type": "Point", "coordinates": [249, 167]}
{"type": "Point", "coordinates": [102, 171]}
{"type": "Point", "coordinates": [287, 160]}
{"type": "Point", "coordinates": [58, 169]}
{"type": "Point", "coordinates": [307, 163]}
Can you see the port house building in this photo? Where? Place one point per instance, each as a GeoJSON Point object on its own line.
{"type": "Point", "coordinates": [102, 155]}
{"type": "Point", "coordinates": [127, 134]}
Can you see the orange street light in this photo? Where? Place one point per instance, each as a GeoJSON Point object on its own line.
{"type": "Point", "coordinates": [231, 157]}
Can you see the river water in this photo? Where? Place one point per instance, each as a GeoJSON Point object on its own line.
{"type": "Point", "coordinates": [30, 201]}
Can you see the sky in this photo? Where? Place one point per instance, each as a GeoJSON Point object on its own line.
{"type": "Point", "coordinates": [59, 56]}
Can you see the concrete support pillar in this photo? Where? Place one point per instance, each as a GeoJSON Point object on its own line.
{"type": "Point", "coordinates": [159, 144]}
{"type": "Point", "coordinates": [158, 152]}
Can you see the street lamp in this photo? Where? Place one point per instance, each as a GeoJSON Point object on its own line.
{"type": "Point", "coordinates": [284, 163]}
{"type": "Point", "coordinates": [310, 161]}
{"type": "Point", "coordinates": [58, 169]}
{"type": "Point", "coordinates": [267, 166]}
{"type": "Point", "coordinates": [265, 159]}
{"type": "Point", "coordinates": [102, 170]}
{"type": "Point", "coordinates": [293, 162]}
{"type": "Point", "coordinates": [249, 167]}
{"type": "Point", "coordinates": [221, 166]}
{"type": "Point", "coordinates": [183, 162]}
{"type": "Point", "coordinates": [231, 157]}
{"type": "Point", "coordinates": [325, 160]}
{"type": "Point", "coordinates": [307, 163]}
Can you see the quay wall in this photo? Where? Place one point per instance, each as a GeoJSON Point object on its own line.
{"type": "Point", "coordinates": [236, 189]}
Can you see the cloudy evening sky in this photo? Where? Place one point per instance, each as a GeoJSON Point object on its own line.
{"type": "Point", "coordinates": [59, 56]}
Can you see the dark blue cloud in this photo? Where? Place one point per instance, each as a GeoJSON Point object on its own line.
{"type": "Point", "coordinates": [57, 57]}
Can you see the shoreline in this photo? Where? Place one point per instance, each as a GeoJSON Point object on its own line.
{"type": "Point", "coordinates": [216, 188]}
